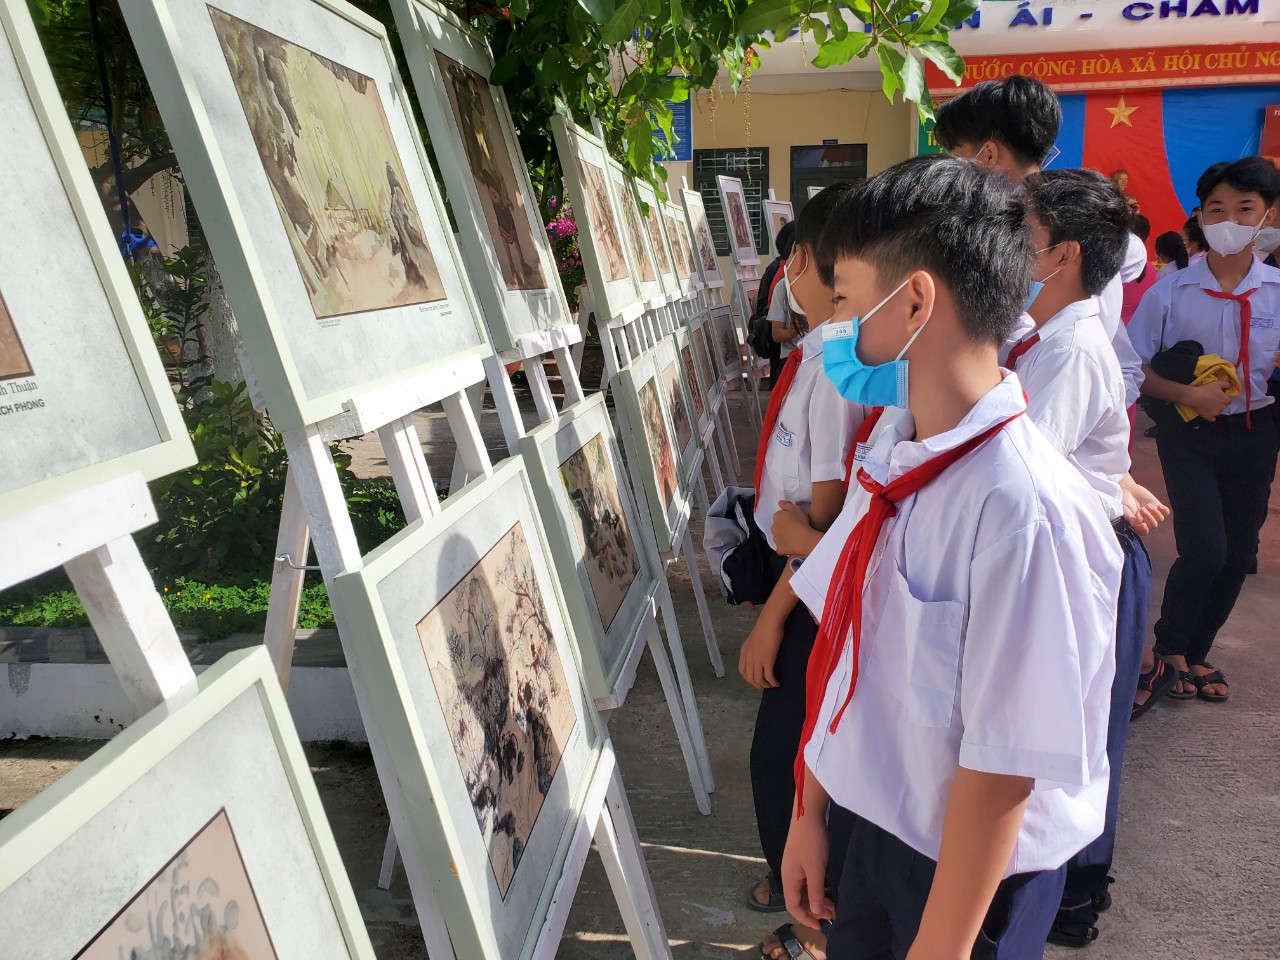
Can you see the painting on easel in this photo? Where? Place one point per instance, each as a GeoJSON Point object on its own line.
{"type": "Point", "coordinates": [658, 439]}
{"type": "Point", "coordinates": [497, 184]}
{"type": "Point", "coordinates": [675, 403]}
{"type": "Point", "coordinates": [325, 144]}
{"type": "Point", "coordinates": [601, 526]}
{"type": "Point", "coordinates": [691, 374]}
{"type": "Point", "coordinates": [200, 906]}
{"type": "Point", "coordinates": [601, 213]}
{"type": "Point", "coordinates": [492, 656]}
{"type": "Point", "coordinates": [13, 356]}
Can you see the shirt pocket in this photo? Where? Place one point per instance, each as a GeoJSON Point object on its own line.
{"type": "Point", "coordinates": [914, 654]}
{"type": "Point", "coordinates": [785, 457]}
{"type": "Point", "coordinates": [1264, 335]}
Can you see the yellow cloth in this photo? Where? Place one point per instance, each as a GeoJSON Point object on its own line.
{"type": "Point", "coordinates": [1212, 367]}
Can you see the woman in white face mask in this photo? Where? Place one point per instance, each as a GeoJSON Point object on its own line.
{"type": "Point", "coordinates": [1218, 466]}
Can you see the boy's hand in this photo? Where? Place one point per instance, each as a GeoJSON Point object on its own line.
{"type": "Point", "coordinates": [760, 652]}
{"type": "Point", "coordinates": [1142, 508]}
{"type": "Point", "coordinates": [804, 865]}
{"type": "Point", "coordinates": [792, 532]}
{"type": "Point", "coordinates": [1208, 400]}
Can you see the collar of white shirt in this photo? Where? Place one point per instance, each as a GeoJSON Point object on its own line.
{"type": "Point", "coordinates": [1198, 273]}
{"type": "Point", "coordinates": [1068, 316]}
{"type": "Point", "coordinates": [893, 452]}
{"type": "Point", "coordinates": [812, 342]}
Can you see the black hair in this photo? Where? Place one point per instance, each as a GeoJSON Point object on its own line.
{"type": "Point", "coordinates": [1248, 175]}
{"type": "Point", "coordinates": [786, 239]}
{"type": "Point", "coordinates": [815, 214]}
{"type": "Point", "coordinates": [1019, 112]}
{"type": "Point", "coordinates": [1139, 226]}
{"type": "Point", "coordinates": [948, 216]}
{"type": "Point", "coordinates": [1084, 206]}
{"type": "Point", "coordinates": [1195, 233]}
{"type": "Point", "coordinates": [1171, 249]}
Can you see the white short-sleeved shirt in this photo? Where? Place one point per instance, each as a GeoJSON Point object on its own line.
{"type": "Point", "coordinates": [1177, 308]}
{"type": "Point", "coordinates": [810, 440]}
{"type": "Point", "coordinates": [988, 638]}
{"type": "Point", "coordinates": [1135, 260]}
{"type": "Point", "coordinates": [1110, 305]}
{"type": "Point", "coordinates": [779, 312]}
{"type": "Point", "coordinates": [1077, 398]}
{"type": "Point", "coordinates": [1169, 269]}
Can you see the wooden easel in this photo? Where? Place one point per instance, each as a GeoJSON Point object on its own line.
{"type": "Point", "coordinates": [315, 510]}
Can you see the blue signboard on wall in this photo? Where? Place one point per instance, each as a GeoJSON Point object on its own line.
{"type": "Point", "coordinates": [682, 127]}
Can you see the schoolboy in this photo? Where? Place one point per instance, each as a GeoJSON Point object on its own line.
{"type": "Point", "coordinates": [1076, 396]}
{"type": "Point", "coordinates": [969, 563]}
{"type": "Point", "coordinates": [1218, 467]}
{"type": "Point", "coordinates": [808, 431]}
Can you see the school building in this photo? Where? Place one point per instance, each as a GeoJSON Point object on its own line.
{"type": "Point", "coordinates": [1159, 88]}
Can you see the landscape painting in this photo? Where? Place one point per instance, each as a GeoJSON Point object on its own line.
{"type": "Point", "coordinates": [739, 221]}
{"type": "Point", "coordinates": [507, 705]}
{"type": "Point", "coordinates": [655, 235]}
{"type": "Point", "coordinates": [635, 230]}
{"type": "Point", "coordinates": [604, 232]}
{"type": "Point", "coordinates": [326, 147]}
{"type": "Point", "coordinates": [497, 184]}
{"type": "Point", "coordinates": [601, 527]}
{"type": "Point", "coordinates": [658, 438]}
{"type": "Point", "coordinates": [201, 906]}
{"type": "Point", "coordinates": [691, 374]}
{"type": "Point", "coordinates": [13, 356]}
{"type": "Point", "coordinates": [675, 403]}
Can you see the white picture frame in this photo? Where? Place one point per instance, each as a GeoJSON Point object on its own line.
{"type": "Point", "coordinates": [684, 420]}
{"type": "Point", "coordinates": [699, 228]}
{"type": "Point", "coordinates": [737, 220]}
{"type": "Point", "coordinates": [710, 368]}
{"type": "Point", "coordinates": [211, 785]}
{"type": "Point", "coordinates": [84, 398]}
{"type": "Point", "coordinates": [607, 620]}
{"type": "Point", "coordinates": [776, 214]}
{"type": "Point", "coordinates": [600, 230]}
{"type": "Point", "coordinates": [814, 191]}
{"type": "Point", "coordinates": [396, 614]}
{"type": "Point", "coordinates": [700, 400]}
{"type": "Point", "coordinates": [643, 258]}
{"type": "Point", "coordinates": [340, 287]}
{"type": "Point", "coordinates": [686, 260]}
{"type": "Point", "coordinates": [653, 211]}
{"type": "Point", "coordinates": [652, 455]}
{"type": "Point", "coordinates": [498, 242]}
{"type": "Point", "coordinates": [723, 331]}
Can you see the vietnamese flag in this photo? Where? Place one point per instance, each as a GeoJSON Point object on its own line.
{"type": "Point", "coordinates": [1125, 131]}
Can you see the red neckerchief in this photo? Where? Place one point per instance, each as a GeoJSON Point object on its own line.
{"type": "Point", "coordinates": [1242, 360]}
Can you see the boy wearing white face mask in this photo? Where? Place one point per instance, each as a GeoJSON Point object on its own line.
{"type": "Point", "coordinates": [1218, 467]}
{"type": "Point", "coordinates": [801, 459]}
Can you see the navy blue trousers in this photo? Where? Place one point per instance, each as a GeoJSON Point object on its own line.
{"type": "Point", "coordinates": [1087, 870]}
{"type": "Point", "coordinates": [884, 888]}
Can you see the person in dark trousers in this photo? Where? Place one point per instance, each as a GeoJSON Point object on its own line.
{"type": "Point", "coordinates": [1219, 466]}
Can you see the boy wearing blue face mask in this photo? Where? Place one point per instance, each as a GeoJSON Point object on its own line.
{"type": "Point", "coordinates": [807, 433]}
{"type": "Point", "coordinates": [970, 563]}
{"type": "Point", "coordinates": [1218, 467]}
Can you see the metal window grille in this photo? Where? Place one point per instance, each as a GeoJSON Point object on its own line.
{"type": "Point", "coordinates": [751, 166]}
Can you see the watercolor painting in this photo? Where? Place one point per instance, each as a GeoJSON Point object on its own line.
{"type": "Point", "coordinates": [778, 220]}
{"type": "Point", "coordinates": [730, 348]}
{"type": "Point", "coordinates": [655, 236]}
{"type": "Point", "coordinates": [326, 147]}
{"type": "Point", "coordinates": [13, 356]}
{"type": "Point", "coordinates": [702, 233]}
{"type": "Point", "coordinates": [635, 229]}
{"type": "Point", "coordinates": [603, 230]}
{"type": "Point", "coordinates": [497, 183]}
{"type": "Point", "coordinates": [691, 375]}
{"type": "Point", "coordinates": [658, 438]}
{"type": "Point", "coordinates": [506, 701]}
{"type": "Point", "coordinates": [201, 906]}
{"type": "Point", "coordinates": [675, 403]}
{"type": "Point", "coordinates": [702, 347]}
{"type": "Point", "coordinates": [680, 247]}
{"type": "Point", "coordinates": [739, 221]}
{"type": "Point", "coordinates": [601, 527]}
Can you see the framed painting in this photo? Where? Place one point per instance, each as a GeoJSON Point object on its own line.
{"type": "Point", "coordinates": [709, 366]}
{"type": "Point", "coordinates": [814, 191]}
{"type": "Point", "coordinates": [83, 396]}
{"type": "Point", "coordinates": [465, 663]}
{"type": "Point", "coordinates": [593, 529]}
{"type": "Point", "coordinates": [777, 213]}
{"type": "Point", "coordinates": [680, 409]}
{"type": "Point", "coordinates": [723, 329]}
{"type": "Point", "coordinates": [643, 258]}
{"type": "Point", "coordinates": [652, 450]}
{"type": "Point", "coordinates": [602, 234]}
{"type": "Point", "coordinates": [653, 212]}
{"type": "Point", "coordinates": [700, 230]}
{"type": "Point", "coordinates": [196, 832]}
{"type": "Point", "coordinates": [298, 145]}
{"type": "Point", "coordinates": [502, 238]}
{"type": "Point", "coordinates": [681, 249]}
{"type": "Point", "coordinates": [693, 378]}
{"type": "Point", "coordinates": [738, 221]}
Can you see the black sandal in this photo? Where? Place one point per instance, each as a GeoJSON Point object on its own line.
{"type": "Point", "coordinates": [1158, 681]}
{"type": "Point", "coordinates": [1214, 678]}
{"type": "Point", "coordinates": [1185, 677]}
{"type": "Point", "coordinates": [787, 936]}
{"type": "Point", "coordinates": [777, 902]}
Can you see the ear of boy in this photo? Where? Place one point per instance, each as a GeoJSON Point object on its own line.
{"type": "Point", "coordinates": [1063, 265]}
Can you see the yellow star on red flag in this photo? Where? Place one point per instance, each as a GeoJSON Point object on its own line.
{"type": "Point", "coordinates": [1121, 113]}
